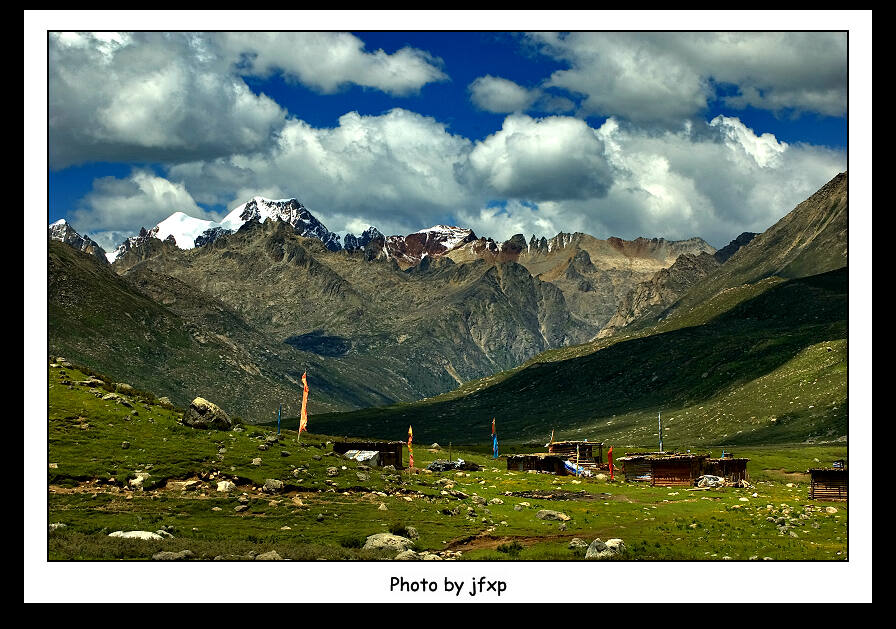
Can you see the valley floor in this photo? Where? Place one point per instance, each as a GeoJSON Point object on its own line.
{"type": "Point", "coordinates": [127, 464]}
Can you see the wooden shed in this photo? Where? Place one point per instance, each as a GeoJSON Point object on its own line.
{"type": "Point", "coordinates": [586, 451]}
{"type": "Point", "coordinates": [829, 483]}
{"type": "Point", "coordinates": [728, 467]}
{"type": "Point", "coordinates": [390, 451]}
{"type": "Point", "coordinates": [540, 462]}
{"type": "Point", "coordinates": [662, 468]}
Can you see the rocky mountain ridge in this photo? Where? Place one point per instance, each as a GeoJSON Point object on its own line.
{"type": "Point", "coordinates": [62, 231]}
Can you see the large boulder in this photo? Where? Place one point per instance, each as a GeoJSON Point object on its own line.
{"type": "Point", "coordinates": [205, 414]}
{"type": "Point", "coordinates": [605, 550]}
{"type": "Point", "coordinates": [548, 514]}
{"type": "Point", "coordinates": [136, 535]}
{"type": "Point", "coordinates": [388, 541]}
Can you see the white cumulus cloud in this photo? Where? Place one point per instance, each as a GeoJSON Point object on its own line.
{"type": "Point", "coordinates": [148, 97]}
{"type": "Point", "coordinates": [666, 77]}
{"type": "Point", "coordinates": [542, 159]}
{"type": "Point", "coordinates": [328, 61]}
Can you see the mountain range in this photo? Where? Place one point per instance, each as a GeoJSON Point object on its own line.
{"type": "Point", "coordinates": [238, 310]}
{"type": "Point", "coordinates": [752, 349]}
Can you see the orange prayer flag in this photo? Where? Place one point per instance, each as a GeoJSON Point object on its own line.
{"type": "Point", "coordinates": [410, 449]}
{"type": "Point", "coordinates": [303, 423]}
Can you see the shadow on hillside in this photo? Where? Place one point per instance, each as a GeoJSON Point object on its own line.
{"type": "Point", "coordinates": [676, 368]}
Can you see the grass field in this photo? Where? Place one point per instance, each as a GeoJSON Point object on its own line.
{"type": "Point", "coordinates": [328, 515]}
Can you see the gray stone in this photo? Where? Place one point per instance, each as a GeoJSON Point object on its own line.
{"type": "Point", "coordinates": [407, 555]}
{"type": "Point", "coordinates": [167, 555]}
{"type": "Point", "coordinates": [578, 543]}
{"type": "Point", "coordinates": [272, 485]}
{"type": "Point", "coordinates": [271, 555]}
{"type": "Point", "coordinates": [547, 514]}
{"type": "Point", "coordinates": [605, 550]}
{"type": "Point", "coordinates": [204, 414]}
{"type": "Point", "coordinates": [136, 535]}
{"type": "Point", "coordinates": [388, 541]}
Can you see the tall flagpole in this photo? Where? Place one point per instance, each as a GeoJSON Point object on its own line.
{"type": "Point", "coordinates": [659, 420]}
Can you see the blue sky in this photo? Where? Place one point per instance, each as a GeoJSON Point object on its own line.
{"type": "Point", "coordinates": [620, 133]}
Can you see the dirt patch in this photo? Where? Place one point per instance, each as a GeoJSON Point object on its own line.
{"type": "Point", "coordinates": [559, 494]}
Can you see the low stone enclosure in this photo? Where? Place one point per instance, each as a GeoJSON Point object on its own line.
{"type": "Point", "coordinates": [390, 452]}
{"type": "Point", "coordinates": [676, 469]}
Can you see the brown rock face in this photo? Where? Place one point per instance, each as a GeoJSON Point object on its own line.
{"type": "Point", "coordinates": [205, 414]}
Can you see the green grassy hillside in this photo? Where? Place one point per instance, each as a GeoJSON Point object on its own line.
{"type": "Point", "coordinates": [328, 505]}
{"type": "Point", "coordinates": [765, 364]}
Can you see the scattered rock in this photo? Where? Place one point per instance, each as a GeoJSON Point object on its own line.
{"type": "Point", "coordinates": [547, 514]}
{"type": "Point", "coordinates": [285, 453]}
{"type": "Point", "coordinates": [56, 525]}
{"type": "Point", "coordinates": [167, 555]}
{"type": "Point", "coordinates": [605, 550]}
{"type": "Point", "coordinates": [388, 541]}
{"type": "Point", "coordinates": [225, 486]}
{"type": "Point", "coordinates": [139, 480]}
{"type": "Point", "coordinates": [578, 543]}
{"type": "Point", "coordinates": [406, 555]}
{"type": "Point", "coordinates": [136, 535]}
{"type": "Point", "coordinates": [495, 501]}
{"type": "Point", "coordinates": [272, 485]}
{"type": "Point", "coordinates": [126, 389]}
{"type": "Point", "coordinates": [332, 471]}
{"type": "Point", "coordinates": [256, 461]}
{"type": "Point", "coordinates": [205, 414]}
{"type": "Point", "coordinates": [125, 445]}
{"type": "Point", "coordinates": [271, 555]}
